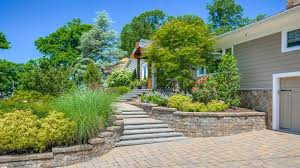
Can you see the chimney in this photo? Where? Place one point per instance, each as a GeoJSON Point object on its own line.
{"type": "Point", "coordinates": [292, 3]}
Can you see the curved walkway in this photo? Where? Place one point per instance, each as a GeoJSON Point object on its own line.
{"type": "Point", "coordinates": [255, 149]}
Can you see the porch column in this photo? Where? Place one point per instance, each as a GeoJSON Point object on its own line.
{"type": "Point", "coordinates": [138, 68]}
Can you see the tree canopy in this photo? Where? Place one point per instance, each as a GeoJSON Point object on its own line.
{"type": "Point", "coordinates": [227, 15]}
{"type": "Point", "coordinates": [180, 46]}
{"type": "Point", "coordinates": [4, 44]}
{"type": "Point", "coordinates": [61, 46]}
{"type": "Point", "coordinates": [141, 27]}
{"type": "Point", "coordinates": [100, 43]}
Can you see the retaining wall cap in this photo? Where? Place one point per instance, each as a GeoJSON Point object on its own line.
{"type": "Point", "coordinates": [113, 128]}
{"type": "Point", "coordinates": [94, 141]}
{"type": "Point", "coordinates": [164, 109]}
{"type": "Point", "coordinates": [118, 122]}
{"type": "Point", "coordinates": [229, 114]}
{"type": "Point", "coordinates": [105, 134]}
{"type": "Point", "coordinates": [183, 113]}
{"type": "Point", "coordinates": [16, 158]}
{"type": "Point", "coordinates": [72, 149]}
{"type": "Point", "coordinates": [149, 104]}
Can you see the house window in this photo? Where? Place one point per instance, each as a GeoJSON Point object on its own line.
{"type": "Point", "coordinates": [291, 40]}
{"type": "Point", "coordinates": [202, 71]}
{"type": "Point", "coordinates": [228, 51]}
{"type": "Point", "coordinates": [145, 71]}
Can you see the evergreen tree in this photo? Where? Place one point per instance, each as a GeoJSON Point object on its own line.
{"type": "Point", "coordinates": [92, 75]}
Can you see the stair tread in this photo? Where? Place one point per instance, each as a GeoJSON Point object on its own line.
{"type": "Point", "coordinates": [148, 141]}
{"type": "Point", "coordinates": [135, 116]}
{"type": "Point", "coordinates": [134, 113]}
{"type": "Point", "coordinates": [144, 126]}
{"type": "Point", "coordinates": [129, 121]}
{"type": "Point", "coordinates": [150, 136]}
{"type": "Point", "coordinates": [147, 131]}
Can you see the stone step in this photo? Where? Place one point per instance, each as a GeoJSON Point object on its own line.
{"type": "Point", "coordinates": [132, 110]}
{"type": "Point", "coordinates": [145, 126]}
{"type": "Point", "coordinates": [141, 122]}
{"type": "Point", "coordinates": [148, 131]}
{"type": "Point", "coordinates": [147, 136]}
{"type": "Point", "coordinates": [134, 113]}
{"type": "Point", "coordinates": [135, 116]}
{"type": "Point", "coordinates": [148, 141]}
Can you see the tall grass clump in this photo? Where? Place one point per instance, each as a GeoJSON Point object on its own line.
{"type": "Point", "coordinates": [89, 110]}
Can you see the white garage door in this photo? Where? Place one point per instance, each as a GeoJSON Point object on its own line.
{"type": "Point", "coordinates": [290, 104]}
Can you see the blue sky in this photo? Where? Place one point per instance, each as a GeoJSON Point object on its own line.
{"type": "Point", "coordinates": [23, 21]}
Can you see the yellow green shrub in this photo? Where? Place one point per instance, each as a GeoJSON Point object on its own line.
{"type": "Point", "coordinates": [55, 129]}
{"type": "Point", "coordinates": [216, 105]}
{"type": "Point", "coordinates": [178, 100]}
{"type": "Point", "coordinates": [21, 131]}
{"type": "Point", "coordinates": [18, 131]}
{"type": "Point", "coordinates": [194, 107]}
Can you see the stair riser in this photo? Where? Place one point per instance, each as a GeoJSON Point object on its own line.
{"type": "Point", "coordinates": [149, 136]}
{"type": "Point", "coordinates": [127, 132]}
{"type": "Point", "coordinates": [132, 127]}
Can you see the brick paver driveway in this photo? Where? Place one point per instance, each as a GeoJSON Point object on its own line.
{"type": "Point", "coordinates": [255, 149]}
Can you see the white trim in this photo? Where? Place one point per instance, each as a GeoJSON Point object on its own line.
{"type": "Point", "coordinates": [271, 25]}
{"type": "Point", "coordinates": [284, 47]}
{"type": "Point", "coordinates": [276, 98]}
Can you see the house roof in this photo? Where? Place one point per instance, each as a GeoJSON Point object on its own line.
{"type": "Point", "coordinates": [285, 20]}
{"type": "Point", "coordinates": [143, 43]}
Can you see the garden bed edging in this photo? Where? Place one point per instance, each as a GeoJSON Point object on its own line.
{"type": "Point", "coordinates": [206, 124]}
{"type": "Point", "coordinates": [63, 156]}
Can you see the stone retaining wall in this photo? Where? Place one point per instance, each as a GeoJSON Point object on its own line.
{"type": "Point", "coordinates": [206, 124]}
{"type": "Point", "coordinates": [63, 156]}
{"type": "Point", "coordinates": [260, 100]}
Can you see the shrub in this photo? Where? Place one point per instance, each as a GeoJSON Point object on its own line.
{"type": "Point", "coordinates": [119, 90]}
{"type": "Point", "coordinates": [177, 101]}
{"type": "Point", "coordinates": [216, 105]}
{"type": "Point", "coordinates": [21, 131]}
{"type": "Point", "coordinates": [55, 129]}
{"type": "Point", "coordinates": [228, 80]}
{"type": "Point", "coordinates": [205, 89]}
{"type": "Point", "coordinates": [194, 107]}
{"type": "Point", "coordinates": [30, 96]}
{"type": "Point", "coordinates": [119, 78]}
{"type": "Point", "coordinates": [155, 97]}
{"type": "Point", "coordinates": [88, 109]}
{"type": "Point", "coordinates": [28, 100]}
{"type": "Point", "coordinates": [92, 75]}
{"type": "Point", "coordinates": [50, 80]}
{"type": "Point", "coordinates": [138, 83]}
{"type": "Point", "coordinates": [18, 132]}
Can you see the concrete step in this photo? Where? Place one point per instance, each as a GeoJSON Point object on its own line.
{"type": "Point", "coordinates": [135, 116]}
{"type": "Point", "coordinates": [134, 113]}
{"type": "Point", "coordinates": [145, 126]}
{"type": "Point", "coordinates": [147, 136]}
{"type": "Point", "coordinates": [148, 141]}
{"type": "Point", "coordinates": [141, 122]}
{"type": "Point", "coordinates": [132, 110]}
{"type": "Point", "coordinates": [148, 131]}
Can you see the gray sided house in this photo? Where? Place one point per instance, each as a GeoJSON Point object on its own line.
{"type": "Point", "coordinates": [268, 54]}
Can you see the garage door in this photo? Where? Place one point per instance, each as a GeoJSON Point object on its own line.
{"type": "Point", "coordinates": [290, 104]}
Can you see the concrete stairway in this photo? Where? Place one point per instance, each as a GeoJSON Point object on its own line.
{"type": "Point", "coordinates": [135, 93]}
{"type": "Point", "coordinates": [140, 129]}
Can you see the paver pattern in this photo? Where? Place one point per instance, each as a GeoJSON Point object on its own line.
{"type": "Point", "coordinates": [264, 148]}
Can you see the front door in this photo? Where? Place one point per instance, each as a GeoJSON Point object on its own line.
{"type": "Point", "coordinates": [290, 104]}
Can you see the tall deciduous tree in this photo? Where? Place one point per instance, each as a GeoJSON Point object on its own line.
{"type": "Point", "coordinates": [227, 15]}
{"type": "Point", "coordinates": [4, 44]}
{"type": "Point", "coordinates": [141, 27]}
{"type": "Point", "coordinates": [178, 48]}
{"type": "Point", "coordinates": [100, 43]}
{"type": "Point", "coordinates": [61, 46]}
